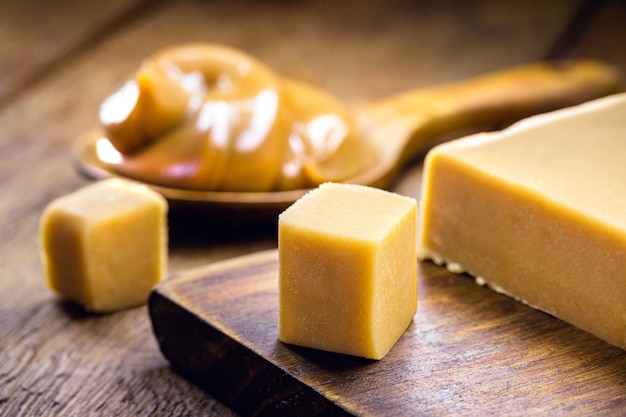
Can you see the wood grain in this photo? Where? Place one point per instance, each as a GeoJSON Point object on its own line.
{"type": "Point", "coordinates": [37, 35]}
{"type": "Point", "coordinates": [57, 360]}
{"type": "Point", "coordinates": [468, 351]}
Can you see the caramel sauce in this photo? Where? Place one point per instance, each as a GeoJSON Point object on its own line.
{"type": "Point", "coordinates": [208, 117]}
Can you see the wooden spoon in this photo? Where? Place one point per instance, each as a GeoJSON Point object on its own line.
{"type": "Point", "coordinates": [402, 127]}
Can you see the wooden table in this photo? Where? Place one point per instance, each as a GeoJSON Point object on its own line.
{"type": "Point", "coordinates": [58, 60]}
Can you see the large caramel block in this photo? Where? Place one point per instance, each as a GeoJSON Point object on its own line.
{"type": "Point", "coordinates": [348, 269]}
{"type": "Point", "coordinates": [105, 246]}
{"type": "Point", "coordinates": [538, 212]}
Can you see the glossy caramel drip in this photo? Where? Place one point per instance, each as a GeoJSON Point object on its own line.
{"type": "Point", "coordinates": [208, 117]}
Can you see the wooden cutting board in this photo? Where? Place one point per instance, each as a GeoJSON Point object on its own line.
{"type": "Point", "coordinates": [468, 351]}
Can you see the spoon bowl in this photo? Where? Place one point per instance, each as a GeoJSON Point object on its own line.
{"type": "Point", "coordinates": [402, 127]}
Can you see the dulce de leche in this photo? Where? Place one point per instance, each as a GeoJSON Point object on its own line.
{"type": "Point", "coordinates": [537, 212]}
{"type": "Point", "coordinates": [347, 270]}
{"type": "Point", "coordinates": [209, 117]}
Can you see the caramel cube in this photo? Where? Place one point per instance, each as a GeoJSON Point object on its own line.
{"type": "Point", "coordinates": [105, 246]}
{"type": "Point", "coordinates": [348, 270]}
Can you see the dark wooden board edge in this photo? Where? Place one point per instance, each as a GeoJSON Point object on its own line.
{"type": "Point", "coordinates": [236, 375]}
{"type": "Point", "coordinates": [485, 350]}
{"type": "Point", "coordinates": [218, 362]}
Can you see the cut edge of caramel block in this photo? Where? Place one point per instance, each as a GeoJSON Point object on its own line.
{"type": "Point", "coordinates": [536, 212]}
{"type": "Point", "coordinates": [347, 270]}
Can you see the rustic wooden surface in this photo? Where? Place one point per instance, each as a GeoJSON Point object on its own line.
{"type": "Point", "coordinates": [469, 350]}
{"type": "Point", "coordinates": [58, 60]}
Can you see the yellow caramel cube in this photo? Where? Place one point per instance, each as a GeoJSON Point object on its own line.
{"type": "Point", "coordinates": [348, 269]}
{"type": "Point", "coordinates": [538, 212]}
{"type": "Point", "coordinates": [105, 246]}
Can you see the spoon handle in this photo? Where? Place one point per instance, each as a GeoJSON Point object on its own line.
{"type": "Point", "coordinates": [491, 101]}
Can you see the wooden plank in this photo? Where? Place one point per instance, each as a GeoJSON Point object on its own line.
{"type": "Point", "coordinates": [36, 34]}
{"type": "Point", "coordinates": [468, 351]}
